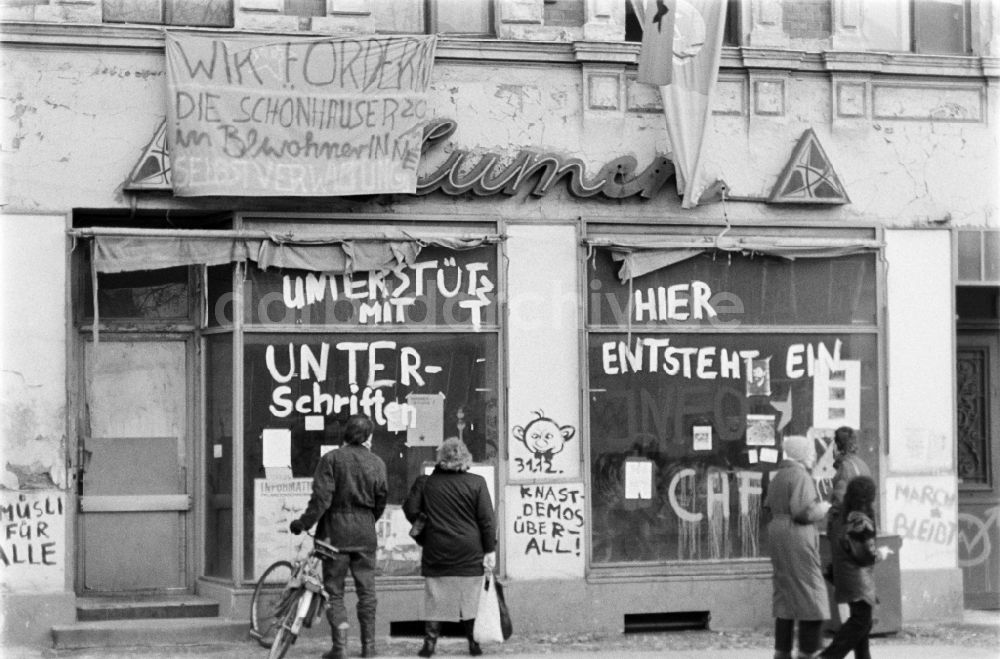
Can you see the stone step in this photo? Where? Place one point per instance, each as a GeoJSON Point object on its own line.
{"type": "Point", "coordinates": [150, 633]}
{"type": "Point", "coordinates": [90, 609]}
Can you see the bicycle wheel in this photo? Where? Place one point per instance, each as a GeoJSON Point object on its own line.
{"type": "Point", "coordinates": [283, 635]}
{"type": "Point", "coordinates": [269, 602]}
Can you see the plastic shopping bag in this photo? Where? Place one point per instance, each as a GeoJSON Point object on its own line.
{"type": "Point", "coordinates": [488, 628]}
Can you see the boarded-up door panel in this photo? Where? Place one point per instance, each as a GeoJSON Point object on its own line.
{"type": "Point", "coordinates": [134, 505]}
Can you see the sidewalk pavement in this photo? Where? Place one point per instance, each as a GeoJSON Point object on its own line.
{"type": "Point", "coordinates": [976, 637]}
{"type": "Point", "coordinates": [249, 651]}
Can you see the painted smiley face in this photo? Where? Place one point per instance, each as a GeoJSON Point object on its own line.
{"type": "Point", "coordinates": [543, 435]}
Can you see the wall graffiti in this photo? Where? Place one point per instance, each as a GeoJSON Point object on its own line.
{"type": "Point", "coordinates": [545, 529]}
{"type": "Point", "coordinates": [544, 438]}
{"type": "Point", "coordinates": [33, 544]}
{"type": "Point", "coordinates": [978, 535]}
{"type": "Point", "coordinates": [394, 297]}
{"type": "Point", "coordinates": [923, 511]}
{"type": "Point", "coordinates": [974, 544]}
{"type": "Point", "coordinates": [310, 363]}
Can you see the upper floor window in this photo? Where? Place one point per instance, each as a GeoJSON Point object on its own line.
{"type": "Point", "coordinates": [200, 13]}
{"type": "Point", "coordinates": [454, 17]}
{"type": "Point", "coordinates": [941, 27]}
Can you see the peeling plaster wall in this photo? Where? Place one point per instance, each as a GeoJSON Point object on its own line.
{"type": "Point", "coordinates": [77, 117]}
{"type": "Point", "coordinates": [909, 151]}
{"type": "Point", "coordinates": [35, 549]}
{"type": "Point", "coordinates": [33, 351]}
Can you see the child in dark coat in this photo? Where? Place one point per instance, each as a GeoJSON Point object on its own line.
{"type": "Point", "coordinates": [852, 536]}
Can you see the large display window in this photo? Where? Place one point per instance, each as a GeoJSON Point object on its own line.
{"type": "Point", "coordinates": [414, 347]}
{"type": "Point", "coordinates": [697, 372]}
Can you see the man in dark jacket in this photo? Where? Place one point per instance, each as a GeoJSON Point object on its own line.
{"type": "Point", "coordinates": [848, 463]}
{"type": "Point", "coordinates": [349, 495]}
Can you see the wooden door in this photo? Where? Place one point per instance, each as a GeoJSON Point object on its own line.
{"type": "Point", "coordinates": [978, 400]}
{"type": "Point", "coordinates": [135, 504]}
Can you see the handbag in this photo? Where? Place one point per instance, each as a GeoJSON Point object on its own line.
{"type": "Point", "coordinates": [418, 527]}
{"type": "Point", "coordinates": [487, 628]}
{"type": "Point", "coordinates": [506, 626]}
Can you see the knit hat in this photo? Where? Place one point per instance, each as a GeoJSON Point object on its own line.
{"type": "Point", "coordinates": [801, 449]}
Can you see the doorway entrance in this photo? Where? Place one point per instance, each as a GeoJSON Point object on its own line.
{"type": "Point", "coordinates": [978, 414]}
{"type": "Point", "coordinates": [135, 503]}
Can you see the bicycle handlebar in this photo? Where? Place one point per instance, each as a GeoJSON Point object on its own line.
{"type": "Point", "coordinates": [320, 545]}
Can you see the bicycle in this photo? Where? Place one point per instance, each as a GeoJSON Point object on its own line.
{"type": "Point", "coordinates": [288, 597]}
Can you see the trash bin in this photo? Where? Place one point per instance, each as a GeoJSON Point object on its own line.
{"type": "Point", "coordinates": [887, 618]}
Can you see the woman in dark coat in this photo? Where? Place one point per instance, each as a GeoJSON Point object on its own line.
{"type": "Point", "coordinates": [852, 548]}
{"type": "Point", "coordinates": [799, 589]}
{"type": "Point", "coordinates": [459, 540]}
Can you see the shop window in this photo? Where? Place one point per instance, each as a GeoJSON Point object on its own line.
{"type": "Point", "coordinates": [199, 13]}
{"type": "Point", "coordinates": [697, 371]}
{"type": "Point", "coordinates": [303, 387]}
{"type": "Point", "coordinates": [416, 348]}
{"type": "Point", "coordinates": [941, 27]}
{"type": "Point", "coordinates": [453, 17]}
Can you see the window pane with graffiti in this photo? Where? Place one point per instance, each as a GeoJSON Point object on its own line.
{"type": "Point", "coordinates": [732, 290]}
{"type": "Point", "coordinates": [441, 288]}
{"type": "Point", "coordinates": [686, 424]}
{"type": "Point", "coordinates": [418, 389]}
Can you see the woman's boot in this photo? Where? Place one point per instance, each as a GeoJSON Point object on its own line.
{"type": "Point", "coordinates": [432, 629]}
{"type": "Point", "coordinates": [469, 626]}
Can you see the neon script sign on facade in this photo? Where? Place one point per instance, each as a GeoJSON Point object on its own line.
{"type": "Point", "coordinates": [616, 180]}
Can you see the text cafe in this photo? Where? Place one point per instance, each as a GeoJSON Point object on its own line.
{"type": "Point", "coordinates": [623, 383]}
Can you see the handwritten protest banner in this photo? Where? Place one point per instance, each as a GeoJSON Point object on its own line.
{"type": "Point", "coordinates": [258, 115]}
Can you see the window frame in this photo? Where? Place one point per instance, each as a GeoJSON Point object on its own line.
{"type": "Point", "coordinates": [916, 47]}
{"type": "Point", "coordinates": [347, 225]}
{"type": "Point", "coordinates": [626, 229]}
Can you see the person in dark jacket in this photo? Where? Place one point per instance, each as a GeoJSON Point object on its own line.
{"type": "Point", "coordinates": [799, 590]}
{"type": "Point", "coordinates": [852, 547]}
{"type": "Point", "coordinates": [848, 464]}
{"type": "Point", "coordinates": [349, 494]}
{"type": "Point", "coordinates": [459, 540]}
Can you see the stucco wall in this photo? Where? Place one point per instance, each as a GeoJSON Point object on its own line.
{"type": "Point", "coordinates": [34, 547]}
{"type": "Point", "coordinates": [909, 152]}
{"type": "Point", "coordinates": [33, 350]}
{"type": "Point", "coordinates": [920, 487]}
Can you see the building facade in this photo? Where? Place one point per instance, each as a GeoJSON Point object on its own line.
{"type": "Point", "coordinates": [623, 369]}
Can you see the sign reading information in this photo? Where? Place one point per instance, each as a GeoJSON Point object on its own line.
{"type": "Point", "coordinates": [254, 115]}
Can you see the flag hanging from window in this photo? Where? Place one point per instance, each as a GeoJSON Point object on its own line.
{"type": "Point", "coordinates": [692, 61]}
{"type": "Point", "coordinates": [656, 56]}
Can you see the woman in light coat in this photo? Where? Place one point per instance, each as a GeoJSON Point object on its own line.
{"type": "Point", "coordinates": [459, 541]}
{"type": "Point", "coordinates": [799, 590]}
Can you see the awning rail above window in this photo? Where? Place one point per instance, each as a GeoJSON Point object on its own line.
{"type": "Point", "coordinates": [125, 250]}
{"type": "Point", "coordinates": [640, 256]}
